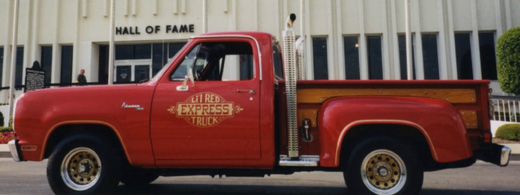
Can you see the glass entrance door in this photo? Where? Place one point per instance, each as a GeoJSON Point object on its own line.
{"type": "Point", "coordinates": [132, 71]}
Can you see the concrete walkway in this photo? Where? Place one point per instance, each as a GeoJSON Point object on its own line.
{"type": "Point", "coordinates": [515, 154]}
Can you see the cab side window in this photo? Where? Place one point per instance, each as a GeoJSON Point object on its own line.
{"type": "Point", "coordinates": [217, 61]}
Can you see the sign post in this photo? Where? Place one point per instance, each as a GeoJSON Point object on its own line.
{"type": "Point", "coordinates": [34, 78]}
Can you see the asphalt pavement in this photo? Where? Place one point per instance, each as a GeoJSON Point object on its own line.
{"type": "Point", "coordinates": [479, 179]}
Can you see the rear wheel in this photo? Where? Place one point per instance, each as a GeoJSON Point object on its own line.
{"type": "Point", "coordinates": [383, 166]}
{"type": "Point", "coordinates": [83, 164]}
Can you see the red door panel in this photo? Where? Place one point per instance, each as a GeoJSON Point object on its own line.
{"type": "Point", "coordinates": [214, 119]}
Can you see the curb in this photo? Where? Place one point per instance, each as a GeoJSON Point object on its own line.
{"type": "Point", "coordinates": [5, 154]}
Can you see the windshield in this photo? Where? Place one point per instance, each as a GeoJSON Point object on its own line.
{"type": "Point", "coordinates": [164, 68]}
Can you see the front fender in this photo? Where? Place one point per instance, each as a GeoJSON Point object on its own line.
{"type": "Point", "coordinates": [438, 121]}
{"type": "Point", "coordinates": [40, 113]}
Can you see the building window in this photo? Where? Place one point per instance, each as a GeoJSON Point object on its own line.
{"type": "Point", "coordinates": [161, 54]}
{"type": "Point", "coordinates": [132, 52]}
{"type": "Point", "coordinates": [46, 62]}
{"type": "Point", "coordinates": [19, 66]}
{"type": "Point", "coordinates": [142, 73]}
{"type": "Point", "coordinates": [173, 48]}
{"type": "Point", "coordinates": [1, 65]}
{"type": "Point", "coordinates": [375, 62]}
{"type": "Point", "coordinates": [487, 55]}
{"type": "Point", "coordinates": [402, 57]}
{"type": "Point", "coordinates": [103, 64]}
{"type": "Point", "coordinates": [319, 51]}
{"type": "Point", "coordinates": [158, 57]}
{"type": "Point", "coordinates": [277, 62]}
{"type": "Point", "coordinates": [66, 64]}
{"type": "Point", "coordinates": [351, 48]}
{"type": "Point", "coordinates": [430, 56]}
{"type": "Point", "coordinates": [463, 54]}
{"type": "Point", "coordinates": [143, 51]}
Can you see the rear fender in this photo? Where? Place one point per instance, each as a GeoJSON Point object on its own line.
{"type": "Point", "coordinates": [438, 121]}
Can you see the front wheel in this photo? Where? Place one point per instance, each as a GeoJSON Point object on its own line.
{"type": "Point", "coordinates": [383, 166]}
{"type": "Point", "coordinates": [83, 164]}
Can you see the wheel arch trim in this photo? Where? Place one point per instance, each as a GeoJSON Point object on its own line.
{"type": "Point", "coordinates": [83, 122]}
{"type": "Point", "coordinates": [353, 124]}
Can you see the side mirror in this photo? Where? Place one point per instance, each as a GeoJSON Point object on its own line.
{"type": "Point", "coordinates": [184, 86]}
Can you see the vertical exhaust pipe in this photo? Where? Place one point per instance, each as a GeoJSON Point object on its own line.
{"type": "Point", "coordinates": [291, 76]}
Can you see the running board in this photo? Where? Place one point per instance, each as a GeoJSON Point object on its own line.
{"type": "Point", "coordinates": [302, 161]}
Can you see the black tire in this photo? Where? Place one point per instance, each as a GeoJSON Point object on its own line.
{"type": "Point", "coordinates": [383, 165]}
{"type": "Point", "coordinates": [84, 164]}
{"type": "Point", "coordinates": [135, 176]}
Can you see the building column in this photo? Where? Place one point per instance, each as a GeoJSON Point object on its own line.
{"type": "Point", "coordinates": [56, 49]}
{"type": "Point", "coordinates": [416, 23]}
{"type": "Point", "coordinates": [332, 42]}
{"type": "Point", "coordinates": [475, 45]}
{"type": "Point", "coordinates": [453, 73]}
{"type": "Point", "coordinates": [363, 61]}
{"type": "Point", "coordinates": [393, 48]}
{"type": "Point", "coordinates": [340, 51]}
{"type": "Point", "coordinates": [308, 42]}
{"type": "Point", "coordinates": [443, 42]}
{"type": "Point", "coordinates": [387, 42]}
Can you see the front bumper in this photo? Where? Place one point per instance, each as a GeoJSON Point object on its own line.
{"type": "Point", "coordinates": [14, 148]}
{"type": "Point", "coordinates": [496, 154]}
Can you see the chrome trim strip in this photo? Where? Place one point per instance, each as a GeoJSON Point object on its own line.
{"type": "Point", "coordinates": [504, 157]}
{"type": "Point", "coordinates": [238, 36]}
{"type": "Point", "coordinates": [303, 161]}
{"type": "Point", "coordinates": [13, 147]}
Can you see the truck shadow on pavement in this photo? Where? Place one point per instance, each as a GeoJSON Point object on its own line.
{"type": "Point", "coordinates": [226, 189]}
{"type": "Point", "coordinates": [204, 189]}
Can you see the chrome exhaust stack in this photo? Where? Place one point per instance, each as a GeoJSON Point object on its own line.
{"type": "Point", "coordinates": [291, 76]}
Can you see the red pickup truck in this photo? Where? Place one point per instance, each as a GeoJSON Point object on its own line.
{"type": "Point", "coordinates": [229, 105]}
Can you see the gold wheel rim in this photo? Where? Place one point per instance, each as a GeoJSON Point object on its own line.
{"type": "Point", "coordinates": [81, 169]}
{"type": "Point", "coordinates": [383, 172]}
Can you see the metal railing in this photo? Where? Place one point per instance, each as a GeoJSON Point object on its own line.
{"type": "Point", "coordinates": [506, 108]}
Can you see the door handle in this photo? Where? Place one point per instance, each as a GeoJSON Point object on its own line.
{"type": "Point", "coordinates": [250, 91]}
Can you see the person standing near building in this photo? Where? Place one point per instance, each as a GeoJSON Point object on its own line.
{"type": "Point", "coordinates": [82, 80]}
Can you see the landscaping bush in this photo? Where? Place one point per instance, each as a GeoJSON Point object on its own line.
{"type": "Point", "coordinates": [508, 61]}
{"type": "Point", "coordinates": [6, 134]}
{"type": "Point", "coordinates": [509, 132]}
{"type": "Point", "coordinates": [6, 129]}
{"type": "Point", "coordinates": [1, 119]}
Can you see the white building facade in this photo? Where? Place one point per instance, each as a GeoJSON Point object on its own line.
{"type": "Point", "coordinates": [345, 39]}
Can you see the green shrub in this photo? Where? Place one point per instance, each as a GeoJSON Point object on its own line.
{"type": "Point", "coordinates": [1, 119]}
{"type": "Point", "coordinates": [508, 61]}
{"type": "Point", "coordinates": [6, 129]}
{"type": "Point", "coordinates": [509, 132]}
